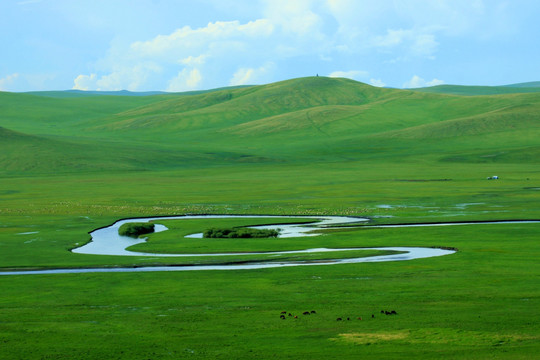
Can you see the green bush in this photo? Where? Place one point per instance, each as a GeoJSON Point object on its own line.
{"type": "Point", "coordinates": [135, 229]}
{"type": "Point", "coordinates": [239, 233]}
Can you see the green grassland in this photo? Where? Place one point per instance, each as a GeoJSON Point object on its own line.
{"type": "Point", "coordinates": [71, 163]}
{"type": "Point", "coordinates": [528, 87]}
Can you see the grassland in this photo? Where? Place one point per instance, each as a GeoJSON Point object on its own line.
{"type": "Point", "coordinates": [70, 164]}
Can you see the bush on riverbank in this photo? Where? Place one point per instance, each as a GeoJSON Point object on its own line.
{"type": "Point", "coordinates": [135, 229]}
{"type": "Point", "coordinates": [239, 233]}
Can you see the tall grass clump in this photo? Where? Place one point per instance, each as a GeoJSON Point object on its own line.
{"type": "Point", "coordinates": [135, 229]}
{"type": "Point", "coordinates": [239, 233]}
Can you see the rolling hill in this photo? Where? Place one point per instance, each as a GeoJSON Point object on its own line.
{"type": "Point", "coordinates": [314, 119]}
{"type": "Point", "coordinates": [528, 87]}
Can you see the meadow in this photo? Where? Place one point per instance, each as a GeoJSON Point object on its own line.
{"type": "Point", "coordinates": [74, 162]}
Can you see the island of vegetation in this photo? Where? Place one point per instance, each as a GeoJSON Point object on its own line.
{"type": "Point", "coordinates": [239, 233]}
{"type": "Point", "coordinates": [136, 229]}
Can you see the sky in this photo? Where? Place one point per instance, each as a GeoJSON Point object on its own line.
{"type": "Point", "coordinates": [184, 45]}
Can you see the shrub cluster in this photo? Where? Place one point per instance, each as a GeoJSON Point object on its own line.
{"type": "Point", "coordinates": [239, 233]}
{"type": "Point", "coordinates": [135, 229]}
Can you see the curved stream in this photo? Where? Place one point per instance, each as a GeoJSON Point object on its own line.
{"type": "Point", "coordinates": [107, 241]}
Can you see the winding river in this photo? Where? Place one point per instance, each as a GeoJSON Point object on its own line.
{"type": "Point", "coordinates": [107, 241]}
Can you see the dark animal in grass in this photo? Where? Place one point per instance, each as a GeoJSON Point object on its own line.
{"type": "Point", "coordinates": [372, 316]}
{"type": "Point", "coordinates": [282, 317]}
{"type": "Point", "coordinates": [296, 316]}
{"type": "Point", "coordinates": [283, 312]}
{"type": "Point", "coordinates": [360, 318]}
{"type": "Point", "coordinates": [339, 319]}
{"type": "Point", "coordinates": [306, 313]}
{"type": "Point", "coordinates": [393, 312]}
{"type": "Point", "coordinates": [290, 314]}
{"type": "Point", "coordinates": [313, 312]}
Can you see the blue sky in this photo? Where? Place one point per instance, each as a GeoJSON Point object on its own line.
{"type": "Point", "coordinates": [167, 45]}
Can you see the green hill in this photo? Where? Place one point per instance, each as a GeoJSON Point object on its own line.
{"type": "Point", "coordinates": [530, 84]}
{"type": "Point", "coordinates": [307, 119]}
{"type": "Point", "coordinates": [531, 87]}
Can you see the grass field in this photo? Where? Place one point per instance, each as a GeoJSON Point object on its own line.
{"type": "Point", "coordinates": [71, 163]}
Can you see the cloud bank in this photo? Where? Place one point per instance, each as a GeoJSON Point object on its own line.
{"type": "Point", "coordinates": [284, 39]}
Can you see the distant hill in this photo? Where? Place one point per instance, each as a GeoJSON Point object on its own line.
{"type": "Point", "coordinates": [482, 90]}
{"type": "Point", "coordinates": [302, 120]}
{"type": "Point", "coordinates": [532, 84]}
{"type": "Point", "coordinates": [83, 93]}
{"type": "Point", "coordinates": [80, 93]}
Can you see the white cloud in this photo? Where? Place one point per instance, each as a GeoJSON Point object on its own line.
{"type": "Point", "coordinates": [250, 76]}
{"type": "Point", "coordinates": [296, 36]}
{"type": "Point", "coordinates": [352, 74]}
{"type": "Point", "coordinates": [377, 82]}
{"type": "Point", "coordinates": [185, 80]}
{"type": "Point", "coordinates": [186, 41]}
{"type": "Point", "coordinates": [417, 82]}
{"type": "Point", "coordinates": [392, 38]}
{"type": "Point", "coordinates": [242, 77]}
{"type": "Point", "coordinates": [7, 81]}
{"type": "Point", "coordinates": [121, 78]}
{"type": "Point", "coordinates": [411, 42]}
{"type": "Point", "coordinates": [294, 17]}
{"type": "Point", "coordinates": [193, 61]}
{"type": "Point", "coordinates": [424, 44]}
{"type": "Point", "coordinates": [211, 49]}
{"type": "Point", "coordinates": [84, 82]}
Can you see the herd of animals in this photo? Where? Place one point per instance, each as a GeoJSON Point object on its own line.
{"type": "Point", "coordinates": [285, 314]}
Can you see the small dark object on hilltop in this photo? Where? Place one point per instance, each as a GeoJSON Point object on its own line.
{"type": "Point", "coordinates": [135, 229]}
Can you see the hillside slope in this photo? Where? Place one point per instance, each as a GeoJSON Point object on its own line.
{"type": "Point", "coordinates": [313, 119]}
{"type": "Point", "coordinates": [529, 87]}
